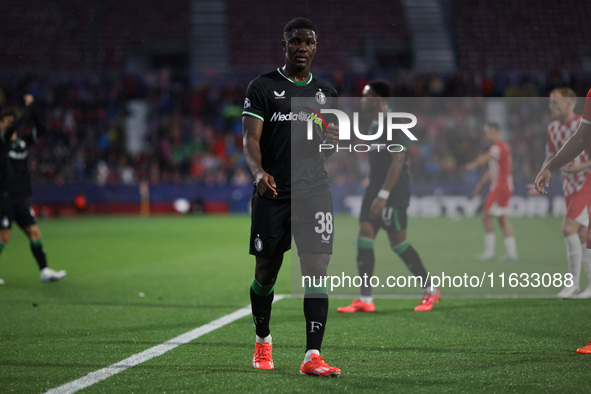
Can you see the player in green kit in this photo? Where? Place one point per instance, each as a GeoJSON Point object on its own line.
{"type": "Point", "coordinates": [15, 185]}
{"type": "Point", "coordinates": [384, 206]}
{"type": "Point", "coordinates": [289, 196]}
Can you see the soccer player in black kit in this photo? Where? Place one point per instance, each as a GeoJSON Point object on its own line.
{"type": "Point", "coordinates": [384, 206]}
{"type": "Point", "coordinates": [281, 184]}
{"type": "Point", "coordinates": [15, 185]}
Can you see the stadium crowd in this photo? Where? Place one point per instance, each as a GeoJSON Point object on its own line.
{"type": "Point", "coordinates": [194, 127]}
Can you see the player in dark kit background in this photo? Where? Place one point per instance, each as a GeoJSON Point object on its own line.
{"type": "Point", "coordinates": [384, 206]}
{"type": "Point", "coordinates": [15, 185]}
{"type": "Point", "coordinates": [267, 121]}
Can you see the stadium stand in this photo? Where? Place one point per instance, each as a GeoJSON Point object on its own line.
{"type": "Point", "coordinates": [255, 46]}
{"type": "Point", "coordinates": [521, 35]}
{"type": "Point", "coordinates": [81, 35]}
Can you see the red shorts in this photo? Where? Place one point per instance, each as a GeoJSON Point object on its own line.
{"type": "Point", "coordinates": [497, 201]}
{"type": "Point", "coordinates": [577, 206]}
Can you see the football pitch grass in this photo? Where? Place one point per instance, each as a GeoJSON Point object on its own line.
{"type": "Point", "coordinates": [134, 283]}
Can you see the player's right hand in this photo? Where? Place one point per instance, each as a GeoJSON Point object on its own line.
{"type": "Point", "coordinates": [265, 185]}
{"type": "Point", "coordinates": [542, 181]}
{"type": "Point", "coordinates": [332, 134]}
{"type": "Point", "coordinates": [377, 207]}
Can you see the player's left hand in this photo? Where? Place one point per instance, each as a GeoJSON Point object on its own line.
{"type": "Point", "coordinates": [331, 135]}
{"type": "Point", "coordinates": [377, 207]}
{"type": "Point", "coordinates": [543, 180]}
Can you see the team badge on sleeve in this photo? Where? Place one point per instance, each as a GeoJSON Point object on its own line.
{"type": "Point", "coordinates": [246, 103]}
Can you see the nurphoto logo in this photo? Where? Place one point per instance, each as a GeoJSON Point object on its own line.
{"type": "Point", "coordinates": [345, 130]}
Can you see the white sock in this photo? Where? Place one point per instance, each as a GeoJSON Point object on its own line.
{"type": "Point", "coordinates": [367, 300]}
{"type": "Point", "coordinates": [266, 339]}
{"type": "Point", "coordinates": [586, 259]}
{"type": "Point", "coordinates": [574, 252]}
{"type": "Point", "coordinates": [489, 243]}
{"type": "Point", "coordinates": [511, 246]}
{"type": "Point", "coordinates": [309, 353]}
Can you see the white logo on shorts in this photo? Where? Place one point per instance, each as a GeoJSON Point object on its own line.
{"type": "Point", "coordinates": [387, 216]}
{"type": "Point", "coordinates": [258, 244]}
{"type": "Point", "coordinates": [5, 222]}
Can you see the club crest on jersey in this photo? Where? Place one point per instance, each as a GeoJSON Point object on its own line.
{"type": "Point", "coordinates": [320, 97]}
{"type": "Point", "coordinates": [246, 103]}
{"type": "Point", "coordinates": [279, 95]}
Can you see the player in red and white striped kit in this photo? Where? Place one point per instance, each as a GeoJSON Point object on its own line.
{"type": "Point", "coordinates": [501, 189]}
{"type": "Point", "coordinates": [576, 186]}
{"type": "Point", "coordinates": [573, 147]}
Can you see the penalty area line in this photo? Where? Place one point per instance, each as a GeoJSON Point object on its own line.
{"type": "Point", "coordinates": [158, 350]}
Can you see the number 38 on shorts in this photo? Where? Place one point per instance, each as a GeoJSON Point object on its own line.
{"type": "Point", "coordinates": [313, 223]}
{"type": "Point", "coordinates": [325, 225]}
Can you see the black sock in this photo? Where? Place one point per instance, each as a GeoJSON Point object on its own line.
{"type": "Point", "coordinates": [411, 258]}
{"type": "Point", "coordinates": [261, 307]}
{"type": "Point", "coordinates": [365, 262]}
{"type": "Point", "coordinates": [315, 311]}
{"type": "Point", "coordinates": [39, 253]}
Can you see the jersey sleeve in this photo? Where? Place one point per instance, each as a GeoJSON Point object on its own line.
{"type": "Point", "coordinates": [587, 110]}
{"type": "Point", "coordinates": [254, 101]}
{"type": "Point", "coordinates": [38, 128]}
{"type": "Point", "coordinates": [495, 151]}
{"type": "Point", "coordinates": [7, 135]}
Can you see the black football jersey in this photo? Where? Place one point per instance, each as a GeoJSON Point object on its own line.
{"type": "Point", "coordinates": [380, 161]}
{"type": "Point", "coordinates": [15, 180]}
{"type": "Point", "coordinates": [18, 181]}
{"type": "Point", "coordinates": [285, 130]}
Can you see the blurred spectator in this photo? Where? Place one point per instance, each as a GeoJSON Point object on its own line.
{"type": "Point", "coordinates": [194, 131]}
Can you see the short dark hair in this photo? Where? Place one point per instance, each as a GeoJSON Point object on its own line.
{"type": "Point", "coordinates": [494, 125]}
{"type": "Point", "coordinates": [7, 112]}
{"type": "Point", "coordinates": [382, 88]}
{"type": "Point", "coordinates": [299, 23]}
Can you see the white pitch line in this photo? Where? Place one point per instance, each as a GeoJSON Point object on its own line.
{"type": "Point", "coordinates": [158, 350]}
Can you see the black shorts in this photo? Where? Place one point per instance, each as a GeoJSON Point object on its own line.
{"type": "Point", "coordinates": [393, 219]}
{"type": "Point", "coordinates": [273, 222]}
{"type": "Point", "coordinates": [18, 210]}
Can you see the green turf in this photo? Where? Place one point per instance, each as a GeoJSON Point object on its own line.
{"type": "Point", "coordinates": [193, 270]}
